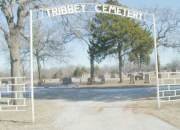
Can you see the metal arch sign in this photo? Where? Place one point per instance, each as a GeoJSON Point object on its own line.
{"type": "Point", "coordinates": [97, 8]}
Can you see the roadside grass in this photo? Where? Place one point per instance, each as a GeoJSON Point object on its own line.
{"type": "Point", "coordinates": [169, 111]}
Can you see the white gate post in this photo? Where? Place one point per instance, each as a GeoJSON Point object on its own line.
{"type": "Point", "coordinates": [32, 68]}
{"type": "Point", "coordinates": [156, 58]}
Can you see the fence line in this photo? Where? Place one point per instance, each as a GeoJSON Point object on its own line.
{"type": "Point", "coordinates": [169, 86]}
{"type": "Point", "coordinates": [8, 96]}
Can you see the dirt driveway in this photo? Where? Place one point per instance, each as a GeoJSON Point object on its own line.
{"type": "Point", "coordinates": [82, 115]}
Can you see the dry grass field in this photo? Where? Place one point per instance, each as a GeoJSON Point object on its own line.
{"type": "Point", "coordinates": [169, 111]}
{"type": "Point", "coordinates": [63, 115]}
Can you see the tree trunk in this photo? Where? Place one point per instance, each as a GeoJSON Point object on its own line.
{"type": "Point", "coordinates": [159, 64]}
{"type": "Point", "coordinates": [39, 69]}
{"type": "Point", "coordinates": [15, 20]}
{"type": "Point", "coordinates": [120, 63]}
{"type": "Point", "coordinates": [92, 68]}
{"type": "Point", "coordinates": [140, 63]}
{"type": "Point", "coordinates": [15, 62]}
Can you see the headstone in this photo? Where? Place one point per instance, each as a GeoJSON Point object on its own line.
{"type": "Point", "coordinates": [5, 82]}
{"type": "Point", "coordinates": [91, 81]}
{"type": "Point", "coordinates": [102, 78]}
{"type": "Point", "coordinates": [139, 76]}
{"type": "Point", "coordinates": [67, 80]}
{"type": "Point", "coordinates": [132, 79]}
{"type": "Point", "coordinates": [113, 75]}
{"type": "Point", "coordinates": [146, 78]}
{"type": "Point", "coordinates": [160, 76]}
{"type": "Point", "coordinates": [41, 82]}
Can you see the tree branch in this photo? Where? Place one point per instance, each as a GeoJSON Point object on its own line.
{"type": "Point", "coordinates": [4, 32]}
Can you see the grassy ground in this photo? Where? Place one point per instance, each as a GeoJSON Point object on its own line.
{"type": "Point", "coordinates": [169, 112]}
{"type": "Point", "coordinates": [59, 115]}
{"type": "Point", "coordinates": [45, 113]}
{"type": "Point", "coordinates": [139, 83]}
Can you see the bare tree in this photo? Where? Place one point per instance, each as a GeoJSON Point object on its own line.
{"type": "Point", "coordinates": [12, 26]}
{"type": "Point", "coordinates": [49, 44]}
{"type": "Point", "coordinates": [168, 22]}
{"type": "Point", "coordinates": [14, 15]}
{"type": "Point", "coordinates": [173, 66]}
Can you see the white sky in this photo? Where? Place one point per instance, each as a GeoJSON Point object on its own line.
{"type": "Point", "coordinates": [78, 49]}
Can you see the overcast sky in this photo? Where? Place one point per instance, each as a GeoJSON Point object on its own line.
{"type": "Point", "coordinates": [78, 49]}
{"type": "Point", "coordinates": [167, 55]}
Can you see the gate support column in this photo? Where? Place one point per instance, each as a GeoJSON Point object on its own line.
{"type": "Point", "coordinates": [156, 58]}
{"type": "Point", "coordinates": [31, 66]}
